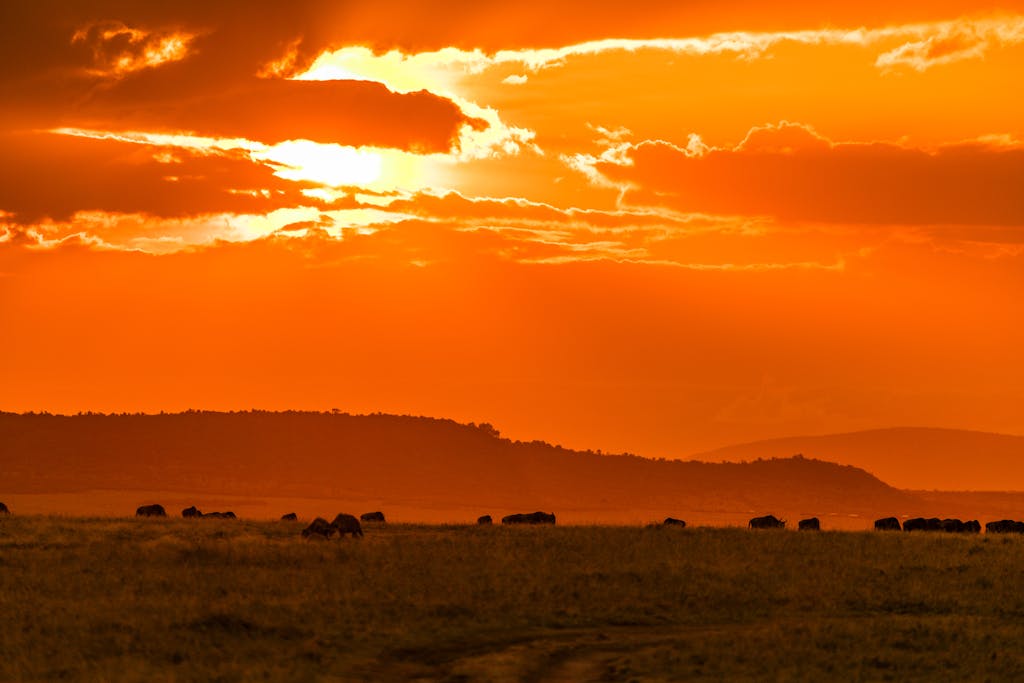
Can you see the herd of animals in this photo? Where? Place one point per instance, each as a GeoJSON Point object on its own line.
{"type": "Point", "coordinates": [952, 526]}
{"type": "Point", "coordinates": [345, 524]}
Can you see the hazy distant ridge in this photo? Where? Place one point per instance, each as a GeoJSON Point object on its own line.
{"type": "Point", "coordinates": [906, 457]}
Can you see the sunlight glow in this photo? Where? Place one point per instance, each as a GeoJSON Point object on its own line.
{"type": "Point", "coordinates": [333, 165]}
{"type": "Point", "coordinates": [372, 168]}
{"type": "Point", "coordinates": [437, 72]}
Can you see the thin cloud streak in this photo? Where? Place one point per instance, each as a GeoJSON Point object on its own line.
{"type": "Point", "coordinates": [408, 72]}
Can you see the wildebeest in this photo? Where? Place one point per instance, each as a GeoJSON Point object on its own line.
{"type": "Point", "coordinates": [372, 517]}
{"type": "Point", "coordinates": [191, 512]}
{"type": "Point", "coordinates": [923, 524]}
{"type": "Point", "coordinates": [485, 519]}
{"type": "Point", "coordinates": [887, 524]}
{"type": "Point", "coordinates": [810, 524]}
{"type": "Point", "coordinates": [529, 518]}
{"type": "Point", "coordinates": [767, 522]}
{"type": "Point", "coordinates": [290, 517]}
{"type": "Point", "coordinates": [319, 527]}
{"type": "Point", "coordinates": [347, 524]}
{"type": "Point", "coordinates": [952, 526]}
{"type": "Point", "coordinates": [219, 515]}
{"type": "Point", "coordinates": [151, 511]}
{"type": "Point", "coordinates": [1005, 526]}
{"type": "Point", "coordinates": [4, 510]}
{"type": "Point", "coordinates": [672, 521]}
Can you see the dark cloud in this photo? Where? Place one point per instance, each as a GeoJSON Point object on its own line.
{"type": "Point", "coordinates": [64, 68]}
{"type": "Point", "coordinates": [790, 173]}
{"type": "Point", "coordinates": [355, 113]}
{"type": "Point", "coordinates": [50, 175]}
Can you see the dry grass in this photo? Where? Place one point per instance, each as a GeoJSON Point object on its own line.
{"type": "Point", "coordinates": [168, 600]}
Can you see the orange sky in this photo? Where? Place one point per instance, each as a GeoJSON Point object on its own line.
{"type": "Point", "coordinates": [656, 227]}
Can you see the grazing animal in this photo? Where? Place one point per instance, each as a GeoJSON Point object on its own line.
{"type": "Point", "coordinates": [347, 524]}
{"type": "Point", "coordinates": [923, 524]}
{"type": "Point", "coordinates": [319, 527]}
{"type": "Point", "coordinates": [290, 517]}
{"type": "Point", "coordinates": [972, 527]}
{"type": "Point", "coordinates": [1005, 526]}
{"type": "Point", "coordinates": [916, 524]}
{"type": "Point", "coordinates": [372, 517]}
{"type": "Point", "coordinates": [529, 518]}
{"type": "Point", "coordinates": [219, 515]}
{"type": "Point", "coordinates": [887, 524]}
{"type": "Point", "coordinates": [4, 510]}
{"type": "Point", "coordinates": [952, 526]}
{"type": "Point", "coordinates": [191, 512]}
{"type": "Point", "coordinates": [672, 521]}
{"type": "Point", "coordinates": [485, 519]}
{"type": "Point", "coordinates": [151, 511]}
{"type": "Point", "coordinates": [812, 524]}
{"type": "Point", "coordinates": [767, 522]}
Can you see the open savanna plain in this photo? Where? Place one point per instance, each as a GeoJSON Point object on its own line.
{"type": "Point", "coordinates": [169, 600]}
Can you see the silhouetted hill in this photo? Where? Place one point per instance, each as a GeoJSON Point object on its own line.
{"type": "Point", "coordinates": [411, 460]}
{"type": "Point", "coordinates": [907, 458]}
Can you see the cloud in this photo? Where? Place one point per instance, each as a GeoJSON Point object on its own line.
{"type": "Point", "coordinates": [941, 40]}
{"type": "Point", "coordinates": [453, 71]}
{"type": "Point", "coordinates": [236, 37]}
{"type": "Point", "coordinates": [790, 172]}
{"type": "Point", "coordinates": [320, 167]}
{"type": "Point", "coordinates": [353, 113]}
{"type": "Point", "coordinates": [49, 175]}
{"type": "Point", "coordinates": [784, 138]}
{"type": "Point", "coordinates": [118, 49]}
{"type": "Point", "coordinates": [196, 69]}
{"type": "Point", "coordinates": [429, 228]}
{"type": "Point", "coordinates": [953, 42]}
{"type": "Point", "coordinates": [217, 69]}
{"type": "Point", "coordinates": [489, 136]}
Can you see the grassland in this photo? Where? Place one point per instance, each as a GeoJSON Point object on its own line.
{"type": "Point", "coordinates": [170, 600]}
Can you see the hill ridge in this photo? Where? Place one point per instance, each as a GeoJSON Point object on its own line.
{"type": "Point", "coordinates": [415, 460]}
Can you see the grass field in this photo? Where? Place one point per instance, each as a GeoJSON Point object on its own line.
{"type": "Point", "coordinates": [168, 600]}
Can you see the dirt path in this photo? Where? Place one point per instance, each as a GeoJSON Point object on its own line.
{"type": "Point", "coordinates": [631, 654]}
{"type": "Point", "coordinates": [572, 656]}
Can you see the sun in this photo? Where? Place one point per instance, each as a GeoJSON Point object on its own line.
{"type": "Point", "coordinates": [331, 165]}
{"type": "Point", "coordinates": [370, 168]}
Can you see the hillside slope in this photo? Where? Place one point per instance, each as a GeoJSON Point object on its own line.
{"type": "Point", "coordinates": [408, 460]}
{"type": "Point", "coordinates": [907, 458]}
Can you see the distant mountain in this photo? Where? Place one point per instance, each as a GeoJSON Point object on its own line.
{"type": "Point", "coordinates": [412, 461]}
{"type": "Point", "coordinates": [907, 458]}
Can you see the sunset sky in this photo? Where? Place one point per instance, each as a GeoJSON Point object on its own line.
{"type": "Point", "coordinates": [658, 227]}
